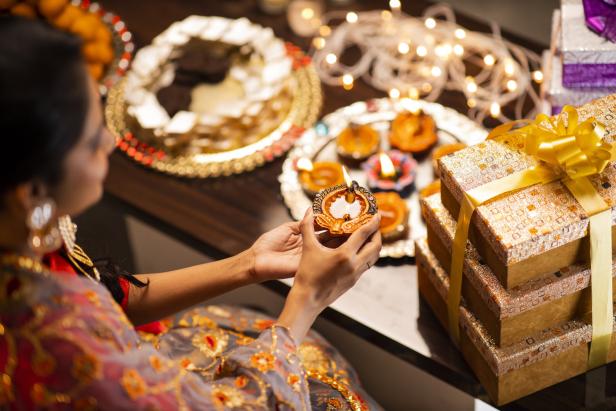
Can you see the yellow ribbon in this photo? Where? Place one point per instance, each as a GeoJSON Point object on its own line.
{"type": "Point", "coordinates": [569, 151]}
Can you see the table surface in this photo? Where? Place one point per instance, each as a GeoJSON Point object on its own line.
{"type": "Point", "coordinates": [224, 216]}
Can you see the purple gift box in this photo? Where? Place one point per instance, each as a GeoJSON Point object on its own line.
{"type": "Point", "coordinates": [554, 94]}
{"type": "Point", "coordinates": [589, 60]}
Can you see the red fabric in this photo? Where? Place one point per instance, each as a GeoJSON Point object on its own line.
{"type": "Point", "coordinates": [58, 264]}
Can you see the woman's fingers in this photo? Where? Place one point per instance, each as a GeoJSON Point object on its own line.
{"type": "Point", "coordinates": [307, 228]}
{"type": "Point", "coordinates": [359, 237]}
{"type": "Point", "coordinates": [369, 254]}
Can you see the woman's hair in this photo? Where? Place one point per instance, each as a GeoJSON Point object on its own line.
{"type": "Point", "coordinates": [43, 107]}
{"type": "Point", "coordinates": [43, 100]}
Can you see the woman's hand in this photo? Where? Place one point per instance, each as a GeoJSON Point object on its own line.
{"type": "Point", "coordinates": [276, 254]}
{"type": "Point", "coordinates": [324, 274]}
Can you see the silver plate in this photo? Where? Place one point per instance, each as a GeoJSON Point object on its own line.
{"type": "Point", "coordinates": [318, 144]}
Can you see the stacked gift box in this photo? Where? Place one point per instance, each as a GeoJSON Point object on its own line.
{"type": "Point", "coordinates": [581, 63]}
{"type": "Point", "coordinates": [525, 315]}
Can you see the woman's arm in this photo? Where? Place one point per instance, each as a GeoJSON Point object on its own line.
{"type": "Point", "coordinates": [276, 254]}
{"type": "Point", "coordinates": [170, 292]}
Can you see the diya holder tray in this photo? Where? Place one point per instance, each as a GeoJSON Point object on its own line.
{"type": "Point", "coordinates": [319, 144]}
{"type": "Point", "coordinates": [303, 112]}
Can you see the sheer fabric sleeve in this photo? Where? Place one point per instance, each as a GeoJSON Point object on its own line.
{"type": "Point", "coordinates": [77, 350]}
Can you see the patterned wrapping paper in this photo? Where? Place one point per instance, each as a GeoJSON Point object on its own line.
{"type": "Point", "coordinates": [589, 60]}
{"type": "Point", "coordinates": [538, 347]}
{"type": "Point", "coordinates": [535, 219]}
{"type": "Point", "coordinates": [504, 303]}
{"type": "Point", "coordinates": [552, 88]}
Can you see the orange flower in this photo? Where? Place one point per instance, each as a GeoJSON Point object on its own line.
{"type": "Point", "coordinates": [241, 381]}
{"type": "Point", "coordinates": [227, 396]}
{"type": "Point", "coordinates": [263, 361]}
{"type": "Point", "coordinates": [156, 363]}
{"type": "Point", "coordinates": [187, 364]}
{"type": "Point", "coordinates": [133, 383]}
{"type": "Point", "coordinates": [334, 403]}
{"type": "Point", "coordinates": [85, 367]}
{"type": "Point", "coordinates": [263, 324]}
{"type": "Point", "coordinates": [294, 381]}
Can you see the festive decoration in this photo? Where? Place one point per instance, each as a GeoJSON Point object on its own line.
{"type": "Point", "coordinates": [420, 57]}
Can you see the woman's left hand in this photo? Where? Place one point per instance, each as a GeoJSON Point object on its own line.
{"type": "Point", "coordinates": [276, 254]}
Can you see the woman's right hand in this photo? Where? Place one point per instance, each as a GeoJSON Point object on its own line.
{"type": "Point", "coordinates": [325, 274]}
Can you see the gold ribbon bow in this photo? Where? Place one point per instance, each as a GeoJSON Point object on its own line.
{"type": "Point", "coordinates": [569, 151]}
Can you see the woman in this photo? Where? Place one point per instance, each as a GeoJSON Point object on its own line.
{"type": "Point", "coordinates": [66, 343]}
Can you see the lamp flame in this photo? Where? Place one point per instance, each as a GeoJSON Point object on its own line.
{"type": "Point", "coordinates": [387, 166]}
{"type": "Point", "coordinates": [347, 177]}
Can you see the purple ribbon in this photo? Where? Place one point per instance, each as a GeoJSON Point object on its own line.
{"type": "Point", "coordinates": [600, 17]}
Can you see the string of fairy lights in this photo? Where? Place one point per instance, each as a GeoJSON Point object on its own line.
{"type": "Point", "coordinates": [420, 57]}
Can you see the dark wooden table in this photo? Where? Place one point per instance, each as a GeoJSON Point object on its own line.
{"type": "Point", "coordinates": [224, 216]}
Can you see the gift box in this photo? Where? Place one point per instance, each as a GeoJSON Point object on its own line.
{"type": "Point", "coordinates": [509, 373]}
{"type": "Point", "coordinates": [589, 60]}
{"type": "Point", "coordinates": [535, 231]}
{"type": "Point", "coordinates": [508, 316]}
{"type": "Point", "coordinates": [552, 88]}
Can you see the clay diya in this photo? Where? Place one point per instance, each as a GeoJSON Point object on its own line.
{"type": "Point", "coordinates": [413, 132]}
{"type": "Point", "coordinates": [442, 151]}
{"type": "Point", "coordinates": [357, 142]}
{"type": "Point", "coordinates": [391, 171]}
{"type": "Point", "coordinates": [394, 216]}
{"type": "Point", "coordinates": [344, 208]}
{"type": "Point", "coordinates": [318, 175]}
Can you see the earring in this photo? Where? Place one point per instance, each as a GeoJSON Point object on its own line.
{"type": "Point", "coordinates": [44, 234]}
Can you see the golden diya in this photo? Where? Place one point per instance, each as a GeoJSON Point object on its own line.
{"type": "Point", "coordinates": [442, 151]}
{"type": "Point", "coordinates": [413, 132]}
{"type": "Point", "coordinates": [344, 208]}
{"type": "Point", "coordinates": [391, 171]}
{"type": "Point", "coordinates": [357, 142]}
{"type": "Point", "coordinates": [394, 216]}
{"type": "Point", "coordinates": [318, 175]}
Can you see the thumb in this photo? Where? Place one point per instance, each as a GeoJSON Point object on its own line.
{"type": "Point", "coordinates": [307, 228]}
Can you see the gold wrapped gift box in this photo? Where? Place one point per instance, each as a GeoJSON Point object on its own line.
{"type": "Point", "coordinates": [537, 230]}
{"type": "Point", "coordinates": [509, 316]}
{"type": "Point", "coordinates": [508, 373]}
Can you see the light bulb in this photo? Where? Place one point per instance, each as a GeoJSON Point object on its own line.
{"type": "Point", "coordinates": [394, 93]}
{"type": "Point", "coordinates": [307, 13]}
{"type": "Point", "coordinates": [460, 33]}
{"type": "Point", "coordinates": [403, 47]}
{"type": "Point", "coordinates": [430, 23]}
{"type": "Point", "coordinates": [512, 85]}
{"type": "Point", "coordinates": [347, 81]}
{"type": "Point", "coordinates": [489, 60]}
{"type": "Point", "coordinates": [538, 76]}
{"type": "Point", "coordinates": [458, 50]}
{"type": "Point", "coordinates": [436, 71]}
{"type": "Point", "coordinates": [331, 58]}
{"type": "Point", "coordinates": [352, 17]}
{"type": "Point", "coordinates": [422, 51]}
{"type": "Point", "coordinates": [495, 109]}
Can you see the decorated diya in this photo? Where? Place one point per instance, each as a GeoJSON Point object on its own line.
{"type": "Point", "coordinates": [413, 132]}
{"type": "Point", "coordinates": [357, 142]}
{"type": "Point", "coordinates": [319, 175]}
{"type": "Point", "coordinates": [344, 208]}
{"type": "Point", "coordinates": [391, 171]}
{"type": "Point", "coordinates": [394, 216]}
{"type": "Point", "coordinates": [442, 151]}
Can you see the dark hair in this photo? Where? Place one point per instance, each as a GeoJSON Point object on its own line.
{"type": "Point", "coordinates": [43, 107]}
{"type": "Point", "coordinates": [43, 99]}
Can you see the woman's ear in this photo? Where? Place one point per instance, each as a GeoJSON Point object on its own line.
{"type": "Point", "coordinates": [21, 198]}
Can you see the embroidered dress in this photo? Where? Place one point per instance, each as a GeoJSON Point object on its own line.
{"type": "Point", "coordinates": [65, 343]}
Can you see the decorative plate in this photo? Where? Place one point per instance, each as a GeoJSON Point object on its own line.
{"type": "Point", "coordinates": [318, 144]}
{"type": "Point", "coordinates": [304, 109]}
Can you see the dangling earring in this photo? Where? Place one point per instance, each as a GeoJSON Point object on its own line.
{"type": "Point", "coordinates": [44, 233]}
